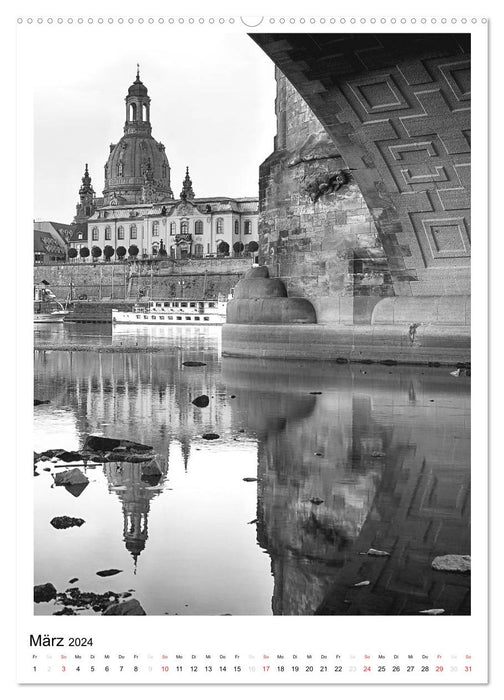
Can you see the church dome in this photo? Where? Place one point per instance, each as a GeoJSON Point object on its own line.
{"type": "Point", "coordinates": [137, 169]}
{"type": "Point", "coordinates": [137, 88]}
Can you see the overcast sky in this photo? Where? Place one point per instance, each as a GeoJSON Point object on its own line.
{"type": "Point", "coordinates": [212, 105]}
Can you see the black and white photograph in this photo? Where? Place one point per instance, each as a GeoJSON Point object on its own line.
{"type": "Point", "coordinates": [252, 325]}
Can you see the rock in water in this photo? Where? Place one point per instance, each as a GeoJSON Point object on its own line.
{"type": "Point", "coordinates": [109, 572]}
{"type": "Point", "coordinates": [432, 611]}
{"type": "Point", "coordinates": [211, 436]}
{"type": "Point", "coordinates": [71, 477]}
{"type": "Point", "coordinates": [97, 443]}
{"type": "Point", "coordinates": [193, 363]}
{"type": "Point", "coordinates": [316, 501]}
{"type": "Point", "coordinates": [70, 456]}
{"type": "Point", "coordinates": [62, 522]}
{"type": "Point", "coordinates": [129, 607]}
{"type": "Point", "coordinates": [377, 553]}
{"type": "Point", "coordinates": [361, 583]}
{"type": "Point", "coordinates": [73, 580]}
{"type": "Point", "coordinates": [201, 401]}
{"type": "Point", "coordinates": [452, 562]}
{"type": "Point", "coordinates": [44, 593]}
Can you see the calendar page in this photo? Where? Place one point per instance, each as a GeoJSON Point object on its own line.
{"type": "Point", "coordinates": [252, 417]}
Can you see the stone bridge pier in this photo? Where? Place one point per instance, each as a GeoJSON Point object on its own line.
{"type": "Point", "coordinates": [365, 199]}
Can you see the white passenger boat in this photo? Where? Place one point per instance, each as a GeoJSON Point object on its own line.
{"type": "Point", "coordinates": [178, 312]}
{"type": "Point", "coordinates": [46, 308]}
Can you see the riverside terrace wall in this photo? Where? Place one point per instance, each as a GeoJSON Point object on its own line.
{"type": "Point", "coordinates": [192, 279]}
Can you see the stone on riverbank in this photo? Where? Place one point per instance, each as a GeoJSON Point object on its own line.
{"type": "Point", "coordinates": [460, 563]}
{"type": "Point", "coordinates": [62, 522]}
{"type": "Point", "coordinates": [129, 607]}
{"type": "Point", "coordinates": [201, 401]}
{"type": "Point", "coordinates": [44, 593]}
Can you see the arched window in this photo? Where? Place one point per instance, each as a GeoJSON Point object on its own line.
{"type": "Point", "coordinates": [163, 170]}
{"type": "Point", "coordinates": [88, 211]}
{"type": "Point", "coordinates": [120, 233]}
{"type": "Point", "coordinates": [184, 227]}
{"type": "Point", "coordinates": [198, 250]}
{"type": "Point", "coordinates": [173, 228]}
{"type": "Point", "coordinates": [108, 233]}
{"type": "Point", "coordinates": [248, 227]}
{"type": "Point", "coordinates": [220, 226]}
{"type": "Point", "coordinates": [155, 228]}
{"type": "Point", "coordinates": [198, 227]}
{"type": "Point", "coordinates": [95, 233]}
{"type": "Point", "coordinates": [133, 231]}
{"type": "Point", "coordinates": [237, 227]}
{"type": "Point", "coordinates": [133, 112]}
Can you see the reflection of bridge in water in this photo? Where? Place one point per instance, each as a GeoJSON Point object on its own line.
{"type": "Point", "coordinates": [391, 469]}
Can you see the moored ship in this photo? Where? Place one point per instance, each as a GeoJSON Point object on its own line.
{"type": "Point", "coordinates": [207, 312]}
{"type": "Point", "coordinates": [46, 308]}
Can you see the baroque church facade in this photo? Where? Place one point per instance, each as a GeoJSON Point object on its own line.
{"type": "Point", "coordinates": [139, 208]}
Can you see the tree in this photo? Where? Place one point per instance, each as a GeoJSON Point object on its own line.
{"type": "Point", "coordinates": [223, 248]}
{"type": "Point", "coordinates": [121, 252]}
{"type": "Point", "coordinates": [238, 247]}
{"type": "Point", "coordinates": [72, 253]}
{"type": "Point", "coordinates": [96, 251]}
{"type": "Point", "coordinates": [253, 246]}
{"type": "Point", "coordinates": [108, 251]}
{"type": "Point", "coordinates": [133, 250]}
{"type": "Point", "coordinates": [84, 252]}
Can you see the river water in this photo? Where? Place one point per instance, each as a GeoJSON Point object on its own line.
{"type": "Point", "coordinates": [346, 457]}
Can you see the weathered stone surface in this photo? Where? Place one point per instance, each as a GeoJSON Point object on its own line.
{"type": "Point", "coordinates": [201, 401]}
{"type": "Point", "coordinates": [62, 522]}
{"type": "Point", "coordinates": [281, 310]}
{"type": "Point", "coordinates": [44, 593]}
{"type": "Point", "coordinates": [452, 562]}
{"type": "Point", "coordinates": [255, 272]}
{"type": "Point", "coordinates": [71, 477]}
{"type": "Point", "coordinates": [129, 607]}
{"type": "Point", "coordinates": [259, 288]}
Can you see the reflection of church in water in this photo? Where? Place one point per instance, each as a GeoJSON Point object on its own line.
{"type": "Point", "coordinates": [135, 490]}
